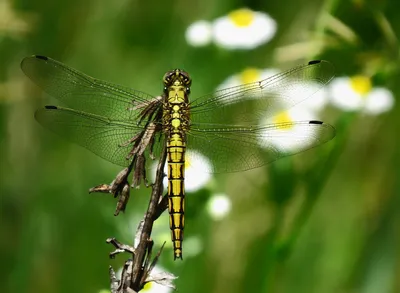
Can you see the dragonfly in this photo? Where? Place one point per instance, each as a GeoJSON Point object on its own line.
{"type": "Point", "coordinates": [227, 126]}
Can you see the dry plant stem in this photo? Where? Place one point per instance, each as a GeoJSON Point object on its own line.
{"type": "Point", "coordinates": [136, 271]}
{"type": "Point", "coordinates": [113, 279]}
{"type": "Point", "coordinates": [151, 216]}
{"type": "Point", "coordinates": [119, 247]}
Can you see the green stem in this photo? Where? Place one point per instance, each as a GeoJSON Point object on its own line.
{"type": "Point", "coordinates": [316, 184]}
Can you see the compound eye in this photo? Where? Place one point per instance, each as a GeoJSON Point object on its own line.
{"type": "Point", "coordinates": [188, 90]}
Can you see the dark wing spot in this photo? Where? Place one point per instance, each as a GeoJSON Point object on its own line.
{"type": "Point", "coordinates": [314, 62]}
{"type": "Point", "coordinates": [51, 107]}
{"type": "Point", "coordinates": [41, 57]}
{"type": "Point", "coordinates": [315, 122]}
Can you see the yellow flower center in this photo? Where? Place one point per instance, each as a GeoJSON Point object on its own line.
{"type": "Point", "coordinates": [147, 286]}
{"type": "Point", "coordinates": [361, 84]}
{"type": "Point", "coordinates": [242, 17]}
{"type": "Point", "coordinates": [283, 121]}
{"type": "Point", "coordinates": [249, 75]}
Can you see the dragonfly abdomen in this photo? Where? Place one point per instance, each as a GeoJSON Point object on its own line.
{"type": "Point", "coordinates": [176, 120]}
{"type": "Point", "coordinates": [176, 192]}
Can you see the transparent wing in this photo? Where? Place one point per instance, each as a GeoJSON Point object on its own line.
{"type": "Point", "coordinates": [105, 137]}
{"type": "Point", "coordinates": [242, 148]}
{"type": "Point", "coordinates": [246, 104]}
{"type": "Point", "coordinates": [229, 125]}
{"type": "Point", "coordinates": [82, 92]}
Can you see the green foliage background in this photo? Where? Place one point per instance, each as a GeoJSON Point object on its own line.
{"type": "Point", "coordinates": [327, 220]}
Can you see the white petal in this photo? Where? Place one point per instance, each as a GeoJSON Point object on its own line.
{"type": "Point", "coordinates": [160, 280]}
{"type": "Point", "coordinates": [219, 206]}
{"type": "Point", "coordinates": [229, 82]}
{"type": "Point", "coordinates": [378, 101]}
{"type": "Point", "coordinates": [199, 33]}
{"type": "Point", "coordinates": [317, 101]}
{"type": "Point", "coordinates": [343, 96]}
{"type": "Point", "coordinates": [228, 35]}
{"type": "Point", "coordinates": [237, 79]}
{"type": "Point", "coordinates": [197, 171]}
{"type": "Point", "coordinates": [289, 139]}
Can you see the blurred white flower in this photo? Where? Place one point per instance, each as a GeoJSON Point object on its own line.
{"type": "Point", "coordinates": [288, 137]}
{"type": "Point", "coordinates": [243, 29]}
{"type": "Point", "coordinates": [219, 206]}
{"type": "Point", "coordinates": [317, 101]}
{"type": "Point", "coordinates": [199, 33]}
{"type": "Point", "coordinates": [197, 170]}
{"type": "Point", "coordinates": [357, 94]}
{"type": "Point", "coordinates": [314, 97]}
{"type": "Point", "coordinates": [298, 94]}
{"type": "Point", "coordinates": [248, 75]}
{"type": "Point", "coordinates": [159, 281]}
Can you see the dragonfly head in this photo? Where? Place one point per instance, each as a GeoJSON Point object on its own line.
{"type": "Point", "coordinates": [177, 76]}
{"type": "Point", "coordinates": [177, 84]}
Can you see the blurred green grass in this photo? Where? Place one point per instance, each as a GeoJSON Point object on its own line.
{"type": "Point", "coordinates": [324, 221]}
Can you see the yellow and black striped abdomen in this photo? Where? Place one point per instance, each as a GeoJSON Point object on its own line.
{"type": "Point", "coordinates": [176, 121]}
{"type": "Point", "coordinates": [176, 148]}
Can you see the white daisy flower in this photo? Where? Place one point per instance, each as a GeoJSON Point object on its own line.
{"type": "Point", "coordinates": [357, 94]}
{"type": "Point", "coordinates": [316, 97]}
{"type": "Point", "coordinates": [219, 206]}
{"type": "Point", "coordinates": [309, 96]}
{"type": "Point", "coordinates": [248, 75]}
{"type": "Point", "coordinates": [197, 171]}
{"type": "Point", "coordinates": [288, 137]}
{"type": "Point", "coordinates": [159, 281]}
{"type": "Point", "coordinates": [199, 33]}
{"type": "Point", "coordinates": [243, 29]}
{"type": "Point", "coordinates": [317, 100]}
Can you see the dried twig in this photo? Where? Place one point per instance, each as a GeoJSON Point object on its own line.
{"type": "Point", "coordinates": [150, 217]}
{"type": "Point", "coordinates": [137, 271]}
